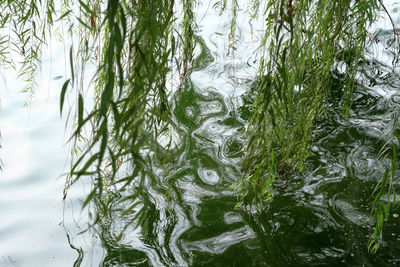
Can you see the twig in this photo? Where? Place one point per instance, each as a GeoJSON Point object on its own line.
{"type": "Point", "coordinates": [395, 32]}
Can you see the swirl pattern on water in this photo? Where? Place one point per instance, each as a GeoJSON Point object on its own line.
{"type": "Point", "coordinates": [321, 217]}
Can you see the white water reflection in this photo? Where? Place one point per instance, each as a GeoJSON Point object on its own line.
{"type": "Point", "coordinates": [33, 153]}
{"type": "Point", "coordinates": [220, 243]}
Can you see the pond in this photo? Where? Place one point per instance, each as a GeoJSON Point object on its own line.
{"type": "Point", "coordinates": [319, 217]}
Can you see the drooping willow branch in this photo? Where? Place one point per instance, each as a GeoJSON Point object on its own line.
{"type": "Point", "coordinates": [133, 44]}
{"type": "Point", "coordinates": [131, 97]}
{"type": "Point", "coordinates": [306, 41]}
{"type": "Point", "coordinates": [24, 29]}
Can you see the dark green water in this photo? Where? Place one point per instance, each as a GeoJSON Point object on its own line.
{"type": "Point", "coordinates": [319, 218]}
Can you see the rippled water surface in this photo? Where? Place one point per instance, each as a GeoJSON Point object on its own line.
{"type": "Point", "coordinates": [320, 217]}
{"type": "Point", "coordinates": [34, 157]}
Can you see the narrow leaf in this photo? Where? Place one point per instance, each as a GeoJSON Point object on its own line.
{"type": "Point", "coordinates": [62, 97]}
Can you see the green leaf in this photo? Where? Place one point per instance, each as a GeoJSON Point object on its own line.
{"type": "Point", "coordinates": [86, 7]}
{"type": "Point", "coordinates": [71, 62]}
{"type": "Point", "coordinates": [63, 91]}
{"type": "Point", "coordinates": [103, 144]}
{"type": "Point", "coordinates": [89, 198]}
{"type": "Point", "coordinates": [83, 23]}
{"type": "Point", "coordinates": [80, 111]}
{"type": "Point", "coordinates": [64, 15]}
{"type": "Point", "coordinates": [87, 165]}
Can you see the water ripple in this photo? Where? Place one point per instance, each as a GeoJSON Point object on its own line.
{"type": "Point", "coordinates": [320, 217]}
{"type": "Point", "coordinates": [220, 243]}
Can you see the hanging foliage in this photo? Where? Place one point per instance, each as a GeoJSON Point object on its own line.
{"type": "Point", "coordinates": [308, 44]}
{"type": "Point", "coordinates": [306, 41]}
{"type": "Point", "coordinates": [137, 45]}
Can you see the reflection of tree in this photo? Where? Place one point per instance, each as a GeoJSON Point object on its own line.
{"type": "Point", "coordinates": [138, 45]}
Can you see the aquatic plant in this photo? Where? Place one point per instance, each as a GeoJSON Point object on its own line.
{"type": "Point", "coordinates": [137, 46]}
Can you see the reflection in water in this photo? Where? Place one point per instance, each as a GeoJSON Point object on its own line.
{"type": "Point", "coordinates": [319, 217]}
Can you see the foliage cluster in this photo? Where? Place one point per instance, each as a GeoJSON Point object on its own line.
{"type": "Point", "coordinates": [137, 44]}
{"type": "Point", "coordinates": [309, 44]}
{"type": "Point", "coordinates": [307, 41]}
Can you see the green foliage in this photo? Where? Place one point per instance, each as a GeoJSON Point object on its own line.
{"type": "Point", "coordinates": [131, 103]}
{"type": "Point", "coordinates": [136, 44]}
{"type": "Point", "coordinates": [24, 30]}
{"type": "Point", "coordinates": [133, 45]}
{"type": "Point", "coordinates": [384, 194]}
{"type": "Point", "coordinates": [305, 40]}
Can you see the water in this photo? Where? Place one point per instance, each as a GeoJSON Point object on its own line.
{"type": "Point", "coordinates": [34, 157]}
{"type": "Point", "coordinates": [321, 217]}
